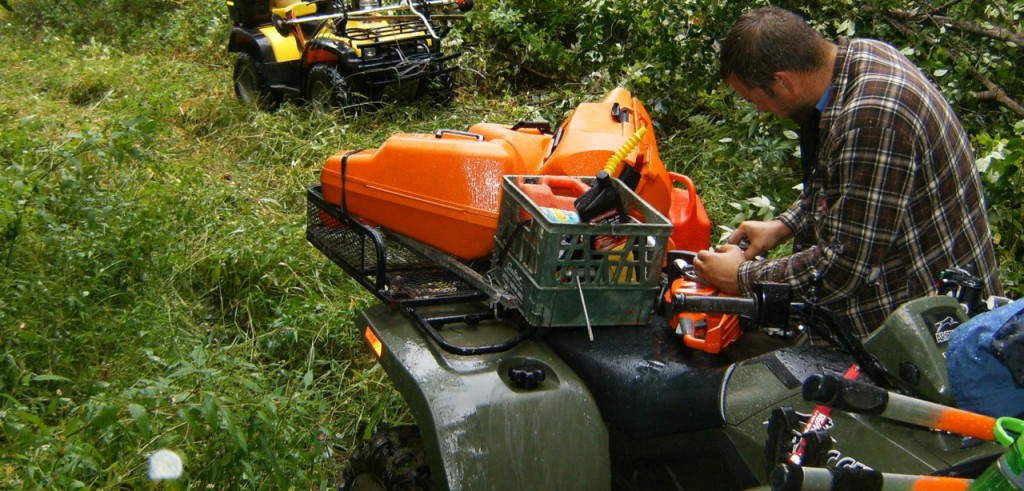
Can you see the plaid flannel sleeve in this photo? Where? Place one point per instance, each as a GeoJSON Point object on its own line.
{"type": "Point", "coordinates": [868, 179]}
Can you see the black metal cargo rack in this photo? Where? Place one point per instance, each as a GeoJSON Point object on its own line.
{"type": "Point", "coordinates": [407, 275]}
{"type": "Point", "coordinates": [380, 261]}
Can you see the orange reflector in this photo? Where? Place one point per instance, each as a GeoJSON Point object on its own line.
{"type": "Point", "coordinates": [374, 342]}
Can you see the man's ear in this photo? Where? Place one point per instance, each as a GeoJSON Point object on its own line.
{"type": "Point", "coordinates": [786, 82]}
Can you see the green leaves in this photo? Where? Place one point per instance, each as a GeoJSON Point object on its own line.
{"type": "Point", "coordinates": [140, 416]}
{"type": "Point", "coordinates": [1000, 161]}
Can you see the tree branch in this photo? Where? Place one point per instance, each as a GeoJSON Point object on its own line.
{"type": "Point", "coordinates": [997, 93]}
{"type": "Point", "coordinates": [993, 32]}
{"type": "Point", "coordinates": [994, 92]}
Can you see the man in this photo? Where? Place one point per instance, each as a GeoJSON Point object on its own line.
{"type": "Point", "coordinates": [891, 196]}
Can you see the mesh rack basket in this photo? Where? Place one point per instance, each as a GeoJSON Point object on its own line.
{"type": "Point", "coordinates": [567, 274]}
{"type": "Point", "coordinates": [379, 261]}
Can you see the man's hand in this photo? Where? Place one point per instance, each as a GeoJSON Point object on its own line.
{"type": "Point", "coordinates": [762, 236]}
{"type": "Point", "coordinates": [719, 268]}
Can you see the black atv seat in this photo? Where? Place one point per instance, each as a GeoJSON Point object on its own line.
{"type": "Point", "coordinates": [647, 382]}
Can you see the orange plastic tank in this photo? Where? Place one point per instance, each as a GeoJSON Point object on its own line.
{"type": "Point", "coordinates": [444, 189]}
{"type": "Point", "coordinates": [441, 189]}
{"type": "Point", "coordinates": [555, 191]}
{"type": "Point", "coordinates": [531, 144]}
{"type": "Point", "coordinates": [595, 131]}
{"type": "Point", "coordinates": [691, 227]}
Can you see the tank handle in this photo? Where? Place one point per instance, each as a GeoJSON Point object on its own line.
{"type": "Point", "coordinates": [691, 189]}
{"type": "Point", "coordinates": [441, 132]}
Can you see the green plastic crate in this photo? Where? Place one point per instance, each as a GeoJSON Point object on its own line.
{"type": "Point", "coordinates": [547, 264]}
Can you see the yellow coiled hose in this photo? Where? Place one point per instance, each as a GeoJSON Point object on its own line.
{"type": "Point", "coordinates": [613, 162]}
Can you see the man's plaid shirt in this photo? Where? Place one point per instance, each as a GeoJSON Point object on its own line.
{"type": "Point", "coordinates": [895, 198]}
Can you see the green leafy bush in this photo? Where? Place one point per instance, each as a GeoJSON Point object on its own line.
{"type": "Point", "coordinates": [666, 53]}
{"type": "Point", "coordinates": [1000, 161]}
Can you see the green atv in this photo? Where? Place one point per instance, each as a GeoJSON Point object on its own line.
{"type": "Point", "coordinates": [341, 53]}
{"type": "Point", "coordinates": [502, 404]}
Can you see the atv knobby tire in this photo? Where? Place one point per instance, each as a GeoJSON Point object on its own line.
{"type": "Point", "coordinates": [392, 459]}
{"type": "Point", "coordinates": [327, 88]}
{"type": "Point", "coordinates": [250, 86]}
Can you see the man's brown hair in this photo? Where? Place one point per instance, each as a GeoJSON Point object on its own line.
{"type": "Point", "coordinates": [769, 40]}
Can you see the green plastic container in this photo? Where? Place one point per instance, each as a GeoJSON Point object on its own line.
{"type": "Point", "coordinates": [565, 274]}
{"type": "Point", "coordinates": [1007, 473]}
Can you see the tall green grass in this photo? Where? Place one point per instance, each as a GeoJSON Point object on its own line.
{"type": "Point", "coordinates": [157, 288]}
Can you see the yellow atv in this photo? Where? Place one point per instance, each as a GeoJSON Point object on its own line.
{"type": "Point", "coordinates": [341, 53]}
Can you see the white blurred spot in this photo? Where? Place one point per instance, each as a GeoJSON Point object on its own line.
{"type": "Point", "coordinates": [164, 465]}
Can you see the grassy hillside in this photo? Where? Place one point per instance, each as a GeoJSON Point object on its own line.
{"type": "Point", "coordinates": [156, 289]}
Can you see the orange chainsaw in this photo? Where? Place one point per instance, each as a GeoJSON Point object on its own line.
{"type": "Point", "coordinates": [708, 332]}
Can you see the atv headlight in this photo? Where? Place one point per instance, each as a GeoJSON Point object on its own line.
{"type": "Point", "coordinates": [369, 53]}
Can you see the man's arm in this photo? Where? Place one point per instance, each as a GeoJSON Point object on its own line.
{"type": "Point", "coordinates": [761, 236]}
{"type": "Point", "coordinates": [721, 267]}
{"type": "Point", "coordinates": [867, 195]}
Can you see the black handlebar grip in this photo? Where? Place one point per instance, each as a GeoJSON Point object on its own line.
{"type": "Point", "coordinates": [845, 394]}
{"type": "Point", "coordinates": [790, 477]}
{"type": "Point", "coordinates": [714, 305]}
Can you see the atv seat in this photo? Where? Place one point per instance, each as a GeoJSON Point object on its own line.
{"type": "Point", "coordinates": [296, 8]}
{"type": "Point", "coordinates": [647, 383]}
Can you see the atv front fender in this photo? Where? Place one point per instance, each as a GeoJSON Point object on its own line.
{"type": "Point", "coordinates": [278, 59]}
{"type": "Point", "coordinates": [481, 430]}
{"type": "Point", "coordinates": [321, 50]}
{"type": "Point", "coordinates": [252, 41]}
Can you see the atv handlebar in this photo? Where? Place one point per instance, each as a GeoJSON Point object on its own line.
{"type": "Point", "coordinates": [771, 305]}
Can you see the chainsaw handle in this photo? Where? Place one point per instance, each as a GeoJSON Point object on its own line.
{"type": "Point", "coordinates": [714, 304]}
{"type": "Point", "coordinates": [770, 305]}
